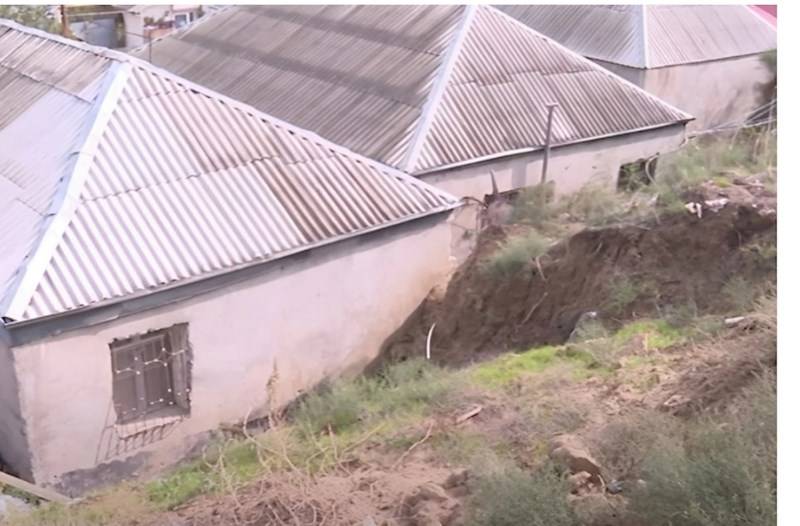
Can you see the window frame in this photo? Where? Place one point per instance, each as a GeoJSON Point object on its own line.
{"type": "Point", "coordinates": [174, 389]}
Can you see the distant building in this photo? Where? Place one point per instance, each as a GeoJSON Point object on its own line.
{"type": "Point", "coordinates": [704, 59]}
{"type": "Point", "coordinates": [456, 95]}
{"type": "Point", "coordinates": [146, 22]}
{"type": "Point", "coordinates": [167, 250]}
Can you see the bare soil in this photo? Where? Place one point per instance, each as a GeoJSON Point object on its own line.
{"type": "Point", "coordinates": [678, 261]}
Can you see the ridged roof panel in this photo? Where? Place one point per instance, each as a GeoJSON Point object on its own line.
{"type": "Point", "coordinates": [501, 84]}
{"type": "Point", "coordinates": [416, 87]}
{"type": "Point", "coordinates": [169, 182]}
{"type": "Point", "coordinates": [651, 36]}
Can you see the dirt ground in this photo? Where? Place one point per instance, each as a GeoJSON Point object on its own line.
{"type": "Point", "coordinates": [681, 260]}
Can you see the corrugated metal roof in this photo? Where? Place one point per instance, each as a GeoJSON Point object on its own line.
{"type": "Point", "coordinates": [651, 36]}
{"type": "Point", "coordinates": [416, 87]}
{"type": "Point", "coordinates": [503, 80]}
{"type": "Point", "coordinates": [174, 183]}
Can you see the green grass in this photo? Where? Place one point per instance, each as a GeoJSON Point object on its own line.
{"type": "Point", "coordinates": [509, 496]}
{"type": "Point", "coordinates": [659, 334]}
{"type": "Point", "coordinates": [515, 254]}
{"type": "Point", "coordinates": [719, 471]}
{"type": "Point", "coordinates": [509, 367]}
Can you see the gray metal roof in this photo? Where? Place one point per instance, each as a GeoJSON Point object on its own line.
{"type": "Point", "coordinates": [651, 36]}
{"type": "Point", "coordinates": [417, 87]}
{"type": "Point", "coordinates": [119, 179]}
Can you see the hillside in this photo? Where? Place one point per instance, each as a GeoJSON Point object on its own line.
{"type": "Point", "coordinates": [604, 359]}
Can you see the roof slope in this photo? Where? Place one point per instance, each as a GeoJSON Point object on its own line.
{"type": "Point", "coordinates": [416, 87]}
{"type": "Point", "coordinates": [149, 181]}
{"type": "Point", "coordinates": [651, 36]}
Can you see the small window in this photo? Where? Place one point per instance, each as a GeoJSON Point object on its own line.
{"type": "Point", "coordinates": [151, 374]}
{"type": "Point", "coordinates": [637, 174]}
{"type": "Point", "coordinates": [181, 19]}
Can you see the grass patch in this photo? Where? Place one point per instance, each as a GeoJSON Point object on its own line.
{"type": "Point", "coordinates": [720, 471]}
{"type": "Point", "coordinates": [623, 291]}
{"type": "Point", "coordinates": [657, 334]}
{"type": "Point", "coordinates": [506, 368]}
{"type": "Point", "coordinates": [740, 294]}
{"type": "Point", "coordinates": [515, 254]}
{"type": "Point", "coordinates": [406, 387]}
{"type": "Point", "coordinates": [509, 496]}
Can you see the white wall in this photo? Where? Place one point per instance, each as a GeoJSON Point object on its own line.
{"type": "Point", "coordinates": [13, 445]}
{"type": "Point", "coordinates": [318, 317]}
{"type": "Point", "coordinates": [715, 92]}
{"type": "Point", "coordinates": [570, 166]}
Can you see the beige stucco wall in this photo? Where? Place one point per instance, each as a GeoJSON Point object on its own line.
{"type": "Point", "coordinates": [319, 317]}
{"type": "Point", "coordinates": [715, 93]}
{"type": "Point", "coordinates": [570, 166]}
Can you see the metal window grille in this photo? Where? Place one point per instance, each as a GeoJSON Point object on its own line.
{"type": "Point", "coordinates": [151, 374]}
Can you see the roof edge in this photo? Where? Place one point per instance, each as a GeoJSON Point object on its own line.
{"type": "Point", "coordinates": [121, 57]}
{"type": "Point", "coordinates": [439, 87]}
{"type": "Point", "coordinates": [19, 323]}
{"type": "Point", "coordinates": [67, 197]}
{"type": "Point", "coordinates": [645, 38]}
{"type": "Point", "coordinates": [531, 149]}
{"type": "Point", "coordinates": [686, 116]}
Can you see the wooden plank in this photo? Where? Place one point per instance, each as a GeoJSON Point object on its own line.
{"type": "Point", "coordinates": [33, 489]}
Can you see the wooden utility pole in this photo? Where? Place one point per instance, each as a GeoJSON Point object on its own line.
{"type": "Point", "coordinates": [550, 108]}
{"type": "Point", "coordinates": [64, 21]}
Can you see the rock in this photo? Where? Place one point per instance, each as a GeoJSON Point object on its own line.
{"type": "Point", "coordinates": [578, 481]}
{"type": "Point", "coordinates": [457, 478]}
{"type": "Point", "coordinates": [431, 491]}
{"type": "Point", "coordinates": [569, 451]}
{"type": "Point", "coordinates": [715, 205]}
{"type": "Point", "coordinates": [614, 487]}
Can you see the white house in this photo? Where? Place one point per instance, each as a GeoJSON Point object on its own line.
{"type": "Point", "coordinates": [450, 94]}
{"type": "Point", "coordinates": [168, 250]}
{"type": "Point", "coordinates": [705, 59]}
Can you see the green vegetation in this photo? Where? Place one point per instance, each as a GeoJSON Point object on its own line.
{"type": "Point", "coordinates": [509, 496]}
{"type": "Point", "coordinates": [36, 16]}
{"type": "Point", "coordinates": [719, 471]}
{"type": "Point", "coordinates": [515, 254]}
{"type": "Point", "coordinates": [509, 367]}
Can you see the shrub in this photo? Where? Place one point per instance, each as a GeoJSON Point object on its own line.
{"type": "Point", "coordinates": [534, 205]}
{"type": "Point", "coordinates": [739, 294]}
{"type": "Point", "coordinates": [509, 496]}
{"type": "Point", "coordinates": [595, 204]}
{"type": "Point", "coordinates": [515, 254]}
{"type": "Point", "coordinates": [399, 388]}
{"type": "Point", "coordinates": [723, 473]}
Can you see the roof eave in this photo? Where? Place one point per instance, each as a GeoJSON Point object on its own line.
{"type": "Point", "coordinates": [531, 149]}
{"type": "Point", "coordinates": [12, 324]}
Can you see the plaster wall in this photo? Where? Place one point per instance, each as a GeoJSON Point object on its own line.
{"type": "Point", "coordinates": [570, 166]}
{"type": "Point", "coordinates": [318, 317]}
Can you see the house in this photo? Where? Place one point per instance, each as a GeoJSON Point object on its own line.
{"type": "Point", "coordinates": [455, 95]}
{"type": "Point", "coordinates": [705, 59]}
{"type": "Point", "coordinates": [146, 22]}
{"type": "Point", "coordinates": [167, 251]}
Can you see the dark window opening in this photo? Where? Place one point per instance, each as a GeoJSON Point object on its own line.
{"type": "Point", "coordinates": [151, 374]}
{"type": "Point", "coordinates": [637, 174]}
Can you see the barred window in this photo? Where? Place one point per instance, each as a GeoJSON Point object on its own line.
{"type": "Point", "coordinates": [151, 374]}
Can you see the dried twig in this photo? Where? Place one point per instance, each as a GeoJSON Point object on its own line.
{"type": "Point", "coordinates": [469, 414]}
{"type": "Point", "coordinates": [539, 266]}
{"type": "Point", "coordinates": [535, 306]}
{"type": "Point", "coordinates": [413, 446]}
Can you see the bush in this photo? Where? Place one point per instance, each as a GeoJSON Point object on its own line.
{"type": "Point", "coordinates": [723, 473]}
{"type": "Point", "coordinates": [512, 497]}
{"type": "Point", "coordinates": [534, 205]}
{"type": "Point", "coordinates": [515, 254]}
{"type": "Point", "coordinates": [595, 204]}
{"type": "Point", "coordinates": [399, 388]}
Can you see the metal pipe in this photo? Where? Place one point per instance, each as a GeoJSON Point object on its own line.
{"type": "Point", "coordinates": [550, 108]}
